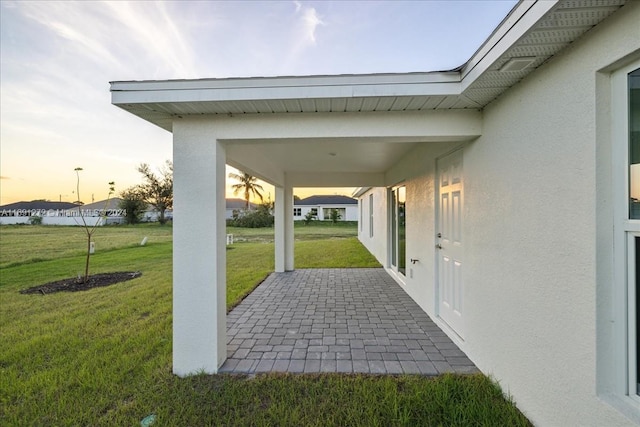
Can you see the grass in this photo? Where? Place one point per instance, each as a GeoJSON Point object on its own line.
{"type": "Point", "coordinates": [22, 244]}
{"type": "Point", "coordinates": [312, 231]}
{"type": "Point", "coordinates": [103, 357]}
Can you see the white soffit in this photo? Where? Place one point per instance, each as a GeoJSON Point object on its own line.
{"type": "Point", "coordinates": [534, 31]}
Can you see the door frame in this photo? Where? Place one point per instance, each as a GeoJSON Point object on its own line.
{"type": "Point", "coordinates": [392, 235]}
{"type": "Point", "coordinates": [437, 294]}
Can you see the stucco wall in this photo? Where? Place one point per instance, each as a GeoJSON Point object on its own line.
{"type": "Point", "coordinates": [376, 244]}
{"type": "Point", "coordinates": [529, 232]}
{"type": "Point", "coordinates": [530, 185]}
{"type": "Point", "coordinates": [417, 171]}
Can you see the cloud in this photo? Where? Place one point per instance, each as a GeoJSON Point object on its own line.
{"type": "Point", "coordinates": [309, 23]}
{"type": "Point", "coordinates": [303, 35]}
{"type": "Point", "coordinates": [151, 31]}
{"type": "Point", "coordinates": [119, 37]}
{"type": "Point", "coordinates": [80, 25]}
{"type": "Point", "coordinates": [91, 46]}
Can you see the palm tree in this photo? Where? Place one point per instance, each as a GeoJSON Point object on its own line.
{"type": "Point", "coordinates": [248, 184]}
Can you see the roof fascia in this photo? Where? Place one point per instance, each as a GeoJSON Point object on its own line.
{"type": "Point", "coordinates": [522, 18]}
{"type": "Point", "coordinates": [360, 191]}
{"type": "Point", "coordinates": [268, 88]}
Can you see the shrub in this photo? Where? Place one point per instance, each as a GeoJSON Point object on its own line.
{"type": "Point", "coordinates": [261, 217]}
{"type": "Point", "coordinates": [35, 220]}
{"type": "Point", "coordinates": [335, 216]}
{"type": "Point", "coordinates": [309, 217]}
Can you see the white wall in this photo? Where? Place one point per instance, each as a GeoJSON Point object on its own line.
{"type": "Point", "coordinates": [417, 171]}
{"type": "Point", "coordinates": [60, 220]}
{"type": "Point", "coordinates": [529, 232]}
{"type": "Point", "coordinates": [531, 227]}
{"type": "Point", "coordinates": [350, 212]}
{"type": "Point", "coordinates": [376, 244]}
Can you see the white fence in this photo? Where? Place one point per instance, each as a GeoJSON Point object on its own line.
{"type": "Point", "coordinates": [61, 220]}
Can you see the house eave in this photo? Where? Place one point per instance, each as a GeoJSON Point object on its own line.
{"type": "Point", "coordinates": [529, 31]}
{"type": "Point", "coordinates": [360, 191]}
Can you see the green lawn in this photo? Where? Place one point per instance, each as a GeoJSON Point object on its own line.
{"type": "Point", "coordinates": [103, 357]}
{"type": "Point", "coordinates": [25, 244]}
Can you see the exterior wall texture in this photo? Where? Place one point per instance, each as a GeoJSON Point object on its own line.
{"type": "Point", "coordinates": [374, 238]}
{"type": "Point", "coordinates": [531, 227]}
{"type": "Point", "coordinates": [529, 230]}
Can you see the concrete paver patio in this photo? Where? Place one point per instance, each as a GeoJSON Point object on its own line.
{"type": "Point", "coordinates": [337, 320]}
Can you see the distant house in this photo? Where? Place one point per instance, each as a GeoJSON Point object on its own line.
{"type": "Point", "coordinates": [20, 212]}
{"type": "Point", "coordinates": [33, 207]}
{"type": "Point", "coordinates": [237, 205]}
{"type": "Point", "coordinates": [321, 207]}
{"type": "Point", "coordinates": [152, 214]}
{"type": "Point", "coordinates": [63, 213]}
{"type": "Point", "coordinates": [93, 212]}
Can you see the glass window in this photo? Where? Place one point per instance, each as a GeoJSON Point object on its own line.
{"type": "Point", "coordinates": [398, 229]}
{"type": "Point", "coordinates": [634, 144]}
{"type": "Point", "coordinates": [402, 247]}
{"type": "Point", "coordinates": [637, 301]}
{"type": "Point", "coordinates": [370, 215]}
{"type": "Point", "coordinates": [394, 229]}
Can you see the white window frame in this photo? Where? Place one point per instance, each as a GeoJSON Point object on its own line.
{"type": "Point", "coordinates": [371, 215]}
{"type": "Point", "coordinates": [394, 237]}
{"type": "Point", "coordinates": [625, 229]}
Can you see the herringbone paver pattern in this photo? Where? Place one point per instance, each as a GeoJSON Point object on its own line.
{"type": "Point", "coordinates": [337, 320]}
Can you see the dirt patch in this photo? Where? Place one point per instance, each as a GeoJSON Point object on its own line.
{"type": "Point", "coordinates": [74, 285]}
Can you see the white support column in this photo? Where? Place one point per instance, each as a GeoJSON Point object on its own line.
{"type": "Point", "coordinates": [283, 225]}
{"type": "Point", "coordinates": [199, 252]}
{"type": "Point", "coordinates": [288, 227]}
{"type": "Point", "coordinates": [279, 229]}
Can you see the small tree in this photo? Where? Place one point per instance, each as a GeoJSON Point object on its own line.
{"type": "Point", "coordinates": [157, 190]}
{"type": "Point", "coordinates": [248, 184]}
{"type": "Point", "coordinates": [133, 204]}
{"type": "Point", "coordinates": [88, 229]}
{"type": "Point", "coordinates": [335, 216]}
{"type": "Point", "coordinates": [309, 217]}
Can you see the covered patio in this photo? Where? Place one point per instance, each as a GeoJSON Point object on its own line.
{"type": "Point", "coordinates": [315, 131]}
{"type": "Point", "coordinates": [306, 131]}
{"type": "Point", "coordinates": [337, 320]}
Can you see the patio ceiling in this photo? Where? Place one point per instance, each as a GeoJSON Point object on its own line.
{"type": "Point", "coordinates": [530, 35]}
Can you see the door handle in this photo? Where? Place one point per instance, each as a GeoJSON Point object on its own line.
{"type": "Point", "coordinates": [439, 246]}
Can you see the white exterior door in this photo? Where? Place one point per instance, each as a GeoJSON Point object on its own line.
{"type": "Point", "coordinates": [449, 241]}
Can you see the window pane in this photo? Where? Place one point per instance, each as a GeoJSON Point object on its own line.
{"type": "Point", "coordinates": [394, 230]}
{"type": "Point", "coordinates": [634, 144]}
{"type": "Point", "coordinates": [402, 240]}
{"type": "Point", "coordinates": [637, 285]}
{"type": "Point", "coordinates": [370, 215]}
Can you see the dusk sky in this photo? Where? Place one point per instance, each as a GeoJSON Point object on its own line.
{"type": "Point", "coordinates": [57, 59]}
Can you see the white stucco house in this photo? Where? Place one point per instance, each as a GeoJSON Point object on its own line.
{"type": "Point", "coordinates": [321, 206]}
{"type": "Point", "coordinates": [236, 205]}
{"type": "Point", "coordinates": [507, 181]}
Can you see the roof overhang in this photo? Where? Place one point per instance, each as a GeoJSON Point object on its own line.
{"type": "Point", "coordinates": [382, 116]}
{"type": "Point", "coordinates": [534, 30]}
